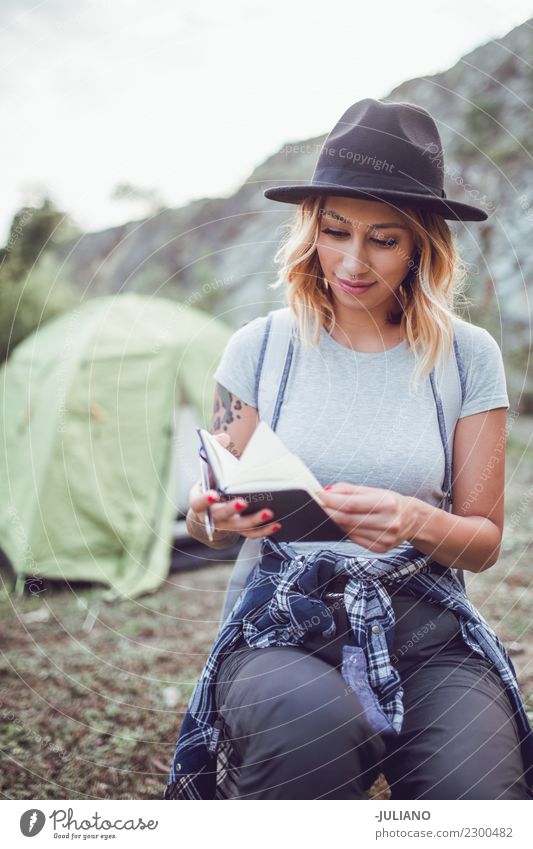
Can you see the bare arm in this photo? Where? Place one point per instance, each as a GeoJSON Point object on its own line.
{"type": "Point", "coordinates": [469, 537]}
{"type": "Point", "coordinates": [234, 417]}
{"type": "Point", "coordinates": [237, 420]}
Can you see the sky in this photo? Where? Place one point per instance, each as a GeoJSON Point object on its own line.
{"type": "Point", "coordinates": [184, 99]}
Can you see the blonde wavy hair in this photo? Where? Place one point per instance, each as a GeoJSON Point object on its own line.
{"type": "Point", "coordinates": [428, 295]}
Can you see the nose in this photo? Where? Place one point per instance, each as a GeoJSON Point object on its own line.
{"type": "Point", "coordinates": [353, 262]}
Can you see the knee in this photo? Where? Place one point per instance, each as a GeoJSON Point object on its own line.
{"type": "Point", "coordinates": [300, 734]}
{"type": "Point", "coordinates": [333, 726]}
{"type": "Point", "coordinates": [317, 722]}
{"type": "Point", "coordinates": [443, 779]}
{"type": "Point", "coordinates": [312, 695]}
{"type": "Point", "coordinates": [474, 781]}
{"type": "Point", "coordinates": [296, 699]}
{"type": "Point", "coordinates": [478, 788]}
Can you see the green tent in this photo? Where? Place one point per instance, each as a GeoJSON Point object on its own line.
{"type": "Point", "coordinates": [91, 462]}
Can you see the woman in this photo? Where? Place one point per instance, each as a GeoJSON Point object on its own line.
{"type": "Point", "coordinates": [432, 701]}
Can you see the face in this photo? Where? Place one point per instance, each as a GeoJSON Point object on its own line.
{"type": "Point", "coordinates": [365, 242]}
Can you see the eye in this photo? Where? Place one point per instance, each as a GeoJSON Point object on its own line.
{"type": "Point", "coordinates": [388, 243]}
{"type": "Point", "coordinates": [337, 234]}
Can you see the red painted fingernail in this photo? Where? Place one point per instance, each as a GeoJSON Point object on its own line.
{"type": "Point", "coordinates": [211, 499]}
{"type": "Point", "coordinates": [327, 487]}
{"type": "Point", "coordinates": [276, 527]}
{"type": "Point", "coordinates": [265, 515]}
{"type": "Point", "coordinates": [240, 506]}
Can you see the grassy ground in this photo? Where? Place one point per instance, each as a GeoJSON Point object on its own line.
{"type": "Point", "coordinates": [92, 695]}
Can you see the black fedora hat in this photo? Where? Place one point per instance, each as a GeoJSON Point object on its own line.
{"type": "Point", "coordinates": [382, 150]}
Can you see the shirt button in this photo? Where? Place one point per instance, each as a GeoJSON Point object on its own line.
{"type": "Point", "coordinates": [375, 629]}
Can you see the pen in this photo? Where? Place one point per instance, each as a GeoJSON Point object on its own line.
{"type": "Point", "coordinates": [209, 524]}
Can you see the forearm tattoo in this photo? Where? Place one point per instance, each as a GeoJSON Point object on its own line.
{"type": "Point", "coordinates": [227, 408]}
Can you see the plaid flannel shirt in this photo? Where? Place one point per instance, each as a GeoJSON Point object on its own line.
{"type": "Point", "coordinates": [282, 603]}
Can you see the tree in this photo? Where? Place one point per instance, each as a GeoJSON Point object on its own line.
{"type": "Point", "coordinates": [30, 292]}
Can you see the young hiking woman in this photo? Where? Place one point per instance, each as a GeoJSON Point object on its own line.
{"type": "Point", "coordinates": [341, 660]}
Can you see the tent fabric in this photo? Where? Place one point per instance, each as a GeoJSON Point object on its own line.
{"type": "Point", "coordinates": [88, 476]}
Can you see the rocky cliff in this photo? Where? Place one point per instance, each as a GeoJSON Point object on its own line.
{"type": "Point", "coordinates": [217, 253]}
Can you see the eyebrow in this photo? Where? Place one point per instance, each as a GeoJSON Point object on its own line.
{"type": "Point", "coordinates": [345, 220]}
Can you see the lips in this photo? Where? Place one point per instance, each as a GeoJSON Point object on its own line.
{"type": "Point", "coordinates": [355, 283]}
{"type": "Point", "coordinates": [355, 287]}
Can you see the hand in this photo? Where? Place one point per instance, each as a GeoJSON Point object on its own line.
{"type": "Point", "coordinates": [226, 514]}
{"type": "Point", "coordinates": [377, 519]}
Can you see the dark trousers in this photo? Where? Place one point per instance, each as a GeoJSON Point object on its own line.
{"type": "Point", "coordinates": [299, 732]}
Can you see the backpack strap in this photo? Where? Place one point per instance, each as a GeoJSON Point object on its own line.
{"type": "Point", "coordinates": [448, 381]}
{"type": "Point", "coordinates": [274, 365]}
{"type": "Point", "coordinates": [275, 358]}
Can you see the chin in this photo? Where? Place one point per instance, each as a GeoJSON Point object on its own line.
{"type": "Point", "coordinates": [357, 300]}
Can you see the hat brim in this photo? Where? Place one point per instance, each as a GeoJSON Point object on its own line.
{"type": "Point", "coordinates": [450, 209]}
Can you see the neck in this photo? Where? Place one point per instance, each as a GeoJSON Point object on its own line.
{"type": "Point", "coordinates": [356, 327]}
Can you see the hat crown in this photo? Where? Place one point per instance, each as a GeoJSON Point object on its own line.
{"type": "Point", "coordinates": [398, 141]}
{"type": "Point", "coordinates": [382, 150]}
{"type": "Point", "coordinates": [401, 119]}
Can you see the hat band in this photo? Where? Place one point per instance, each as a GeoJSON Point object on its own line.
{"type": "Point", "coordinates": [353, 179]}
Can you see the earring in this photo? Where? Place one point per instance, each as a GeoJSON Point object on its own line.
{"type": "Point", "coordinates": [326, 284]}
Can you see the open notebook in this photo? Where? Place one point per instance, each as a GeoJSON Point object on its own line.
{"type": "Point", "coordinates": [269, 475]}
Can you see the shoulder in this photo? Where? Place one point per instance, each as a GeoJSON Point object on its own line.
{"type": "Point", "coordinates": [475, 343]}
{"type": "Point", "coordinates": [237, 367]}
{"type": "Point", "coordinates": [252, 334]}
{"type": "Point", "coordinates": [253, 327]}
{"type": "Point", "coordinates": [480, 359]}
{"type": "Point", "coordinates": [471, 335]}
{"type": "Point", "coordinates": [248, 337]}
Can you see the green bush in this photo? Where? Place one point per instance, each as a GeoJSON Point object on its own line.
{"type": "Point", "coordinates": [30, 292]}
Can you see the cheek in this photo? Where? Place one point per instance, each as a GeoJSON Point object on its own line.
{"type": "Point", "coordinates": [325, 255]}
{"type": "Point", "coordinates": [391, 265]}
{"type": "Point", "coordinates": [325, 258]}
{"type": "Point", "coordinates": [330, 256]}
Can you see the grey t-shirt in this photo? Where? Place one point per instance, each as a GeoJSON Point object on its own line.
{"type": "Point", "coordinates": [351, 417]}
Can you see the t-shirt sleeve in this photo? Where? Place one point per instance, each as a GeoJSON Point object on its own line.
{"type": "Point", "coordinates": [486, 385]}
{"type": "Point", "coordinates": [238, 364]}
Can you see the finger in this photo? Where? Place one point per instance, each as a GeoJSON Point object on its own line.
{"type": "Point", "coordinates": [234, 508]}
{"type": "Point", "coordinates": [196, 488]}
{"type": "Point", "coordinates": [349, 502]}
{"type": "Point", "coordinates": [266, 530]}
{"type": "Point", "coordinates": [200, 501]}
{"type": "Point", "coordinates": [342, 513]}
{"type": "Point", "coordinates": [336, 498]}
{"type": "Point", "coordinates": [216, 500]}
{"type": "Point", "coordinates": [365, 522]}
{"type": "Point", "coordinates": [351, 488]}
{"type": "Point", "coordinates": [240, 521]}
{"type": "Point", "coordinates": [360, 534]}
{"type": "Point", "coordinates": [342, 486]}
{"type": "Point", "coordinates": [348, 520]}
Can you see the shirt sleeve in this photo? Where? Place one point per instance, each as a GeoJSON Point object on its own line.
{"type": "Point", "coordinates": [486, 385]}
{"type": "Point", "coordinates": [237, 367]}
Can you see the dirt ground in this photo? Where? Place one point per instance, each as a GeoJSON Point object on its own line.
{"type": "Point", "coordinates": [92, 694]}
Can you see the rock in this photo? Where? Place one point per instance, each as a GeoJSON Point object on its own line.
{"type": "Point", "coordinates": [171, 696]}
{"type": "Point", "coordinates": [380, 789]}
{"type": "Point", "coordinates": [514, 648]}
